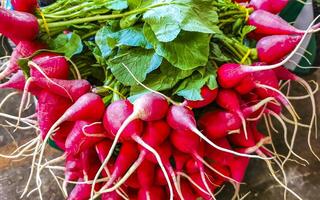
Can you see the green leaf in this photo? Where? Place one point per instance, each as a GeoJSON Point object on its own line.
{"type": "Point", "coordinates": [188, 51]}
{"type": "Point", "coordinates": [190, 88]}
{"type": "Point", "coordinates": [107, 40]}
{"type": "Point", "coordinates": [139, 61]}
{"type": "Point", "coordinates": [164, 79]}
{"type": "Point", "coordinates": [190, 15]}
{"type": "Point", "coordinates": [134, 3]}
{"type": "Point", "coordinates": [113, 4]}
{"type": "Point", "coordinates": [245, 31]}
{"type": "Point", "coordinates": [69, 44]}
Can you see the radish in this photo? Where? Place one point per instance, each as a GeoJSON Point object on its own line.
{"type": "Point", "coordinates": [127, 155]}
{"type": "Point", "coordinates": [25, 27]}
{"type": "Point", "coordinates": [230, 74]}
{"type": "Point", "coordinates": [273, 6]}
{"type": "Point", "coordinates": [267, 23]}
{"type": "Point", "coordinates": [23, 49]}
{"type": "Point", "coordinates": [88, 107]}
{"type": "Point", "coordinates": [208, 96]}
{"type": "Point", "coordinates": [188, 142]}
{"type": "Point", "coordinates": [80, 191]}
{"type": "Point", "coordinates": [84, 135]}
{"type": "Point", "coordinates": [52, 64]}
{"type": "Point", "coordinates": [154, 193]}
{"type": "Point", "coordinates": [229, 100]}
{"type": "Point", "coordinates": [66, 88]}
{"type": "Point", "coordinates": [187, 191]}
{"type": "Point", "coordinates": [273, 48]}
{"type": "Point", "coordinates": [218, 156]}
{"type": "Point", "coordinates": [146, 174]}
{"type": "Point", "coordinates": [24, 5]}
{"type": "Point", "coordinates": [181, 118]}
{"type": "Point", "coordinates": [149, 107]}
{"type": "Point", "coordinates": [50, 108]}
{"type": "Point", "coordinates": [60, 136]}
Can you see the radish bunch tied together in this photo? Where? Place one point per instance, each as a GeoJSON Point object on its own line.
{"type": "Point", "coordinates": [153, 100]}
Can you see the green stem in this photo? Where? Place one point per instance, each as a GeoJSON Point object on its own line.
{"type": "Point", "coordinates": [99, 17]}
{"type": "Point", "coordinates": [75, 8]}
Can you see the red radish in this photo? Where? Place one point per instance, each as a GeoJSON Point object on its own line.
{"type": "Point", "coordinates": [229, 100]}
{"type": "Point", "coordinates": [127, 155]}
{"type": "Point", "coordinates": [239, 140]}
{"type": "Point", "coordinates": [180, 159]}
{"type": "Point", "coordinates": [67, 88]}
{"type": "Point", "coordinates": [238, 168]}
{"type": "Point", "coordinates": [88, 107]}
{"type": "Point", "coordinates": [208, 96]}
{"type": "Point", "coordinates": [273, 6]}
{"type": "Point", "coordinates": [159, 178]}
{"type": "Point", "coordinates": [102, 149]}
{"type": "Point", "coordinates": [216, 124]}
{"type": "Point", "coordinates": [196, 177]}
{"type": "Point", "coordinates": [52, 64]}
{"type": "Point", "coordinates": [146, 174]}
{"type": "Point", "coordinates": [84, 135]}
{"type": "Point", "coordinates": [219, 156]}
{"type": "Point", "coordinates": [111, 196]}
{"type": "Point", "coordinates": [273, 48]}
{"type": "Point", "coordinates": [149, 107]}
{"type": "Point", "coordinates": [187, 191]}
{"type": "Point", "coordinates": [50, 108]}
{"type": "Point", "coordinates": [60, 136]}
{"type": "Point", "coordinates": [80, 191]}
{"type": "Point", "coordinates": [188, 142]}
{"type": "Point", "coordinates": [24, 5]}
{"type": "Point", "coordinates": [154, 193]}
{"type": "Point", "coordinates": [230, 74]}
{"type": "Point", "coordinates": [23, 49]}
{"type": "Point", "coordinates": [25, 27]}
{"type": "Point", "coordinates": [17, 81]}
{"type": "Point", "coordinates": [182, 118]}
{"type": "Point", "coordinates": [267, 23]}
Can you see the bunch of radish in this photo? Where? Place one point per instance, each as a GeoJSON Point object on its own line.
{"type": "Point", "coordinates": [155, 147]}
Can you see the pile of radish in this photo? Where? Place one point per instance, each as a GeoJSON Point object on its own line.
{"type": "Point", "coordinates": [153, 100]}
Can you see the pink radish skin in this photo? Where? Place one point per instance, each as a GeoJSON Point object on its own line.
{"type": "Point", "coordinates": [17, 81]}
{"type": "Point", "coordinates": [267, 23]}
{"type": "Point", "coordinates": [216, 124]}
{"type": "Point", "coordinates": [196, 177]}
{"type": "Point", "coordinates": [272, 6]}
{"type": "Point", "coordinates": [23, 49]}
{"type": "Point", "coordinates": [102, 149]}
{"type": "Point", "coordinates": [182, 118]}
{"type": "Point", "coordinates": [219, 156]}
{"type": "Point", "coordinates": [25, 27]}
{"type": "Point", "coordinates": [127, 155]}
{"type": "Point", "coordinates": [73, 89]}
{"type": "Point", "coordinates": [50, 108]}
{"type": "Point", "coordinates": [159, 178]}
{"type": "Point", "coordinates": [28, 6]}
{"type": "Point", "coordinates": [60, 136]}
{"type": "Point", "coordinates": [239, 140]}
{"type": "Point", "coordinates": [187, 191]}
{"type": "Point", "coordinates": [146, 173]}
{"type": "Point", "coordinates": [148, 107]}
{"type": "Point", "coordinates": [180, 159]}
{"type": "Point", "coordinates": [88, 107]}
{"type": "Point", "coordinates": [208, 96]}
{"type": "Point", "coordinates": [230, 74]}
{"type": "Point", "coordinates": [154, 193]}
{"type": "Point", "coordinates": [273, 48]}
{"type": "Point", "coordinates": [116, 113]}
{"type": "Point", "coordinates": [80, 191]}
{"type": "Point", "coordinates": [111, 196]}
{"type": "Point", "coordinates": [229, 100]}
{"type": "Point", "coordinates": [78, 140]}
{"type": "Point", "coordinates": [51, 63]}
